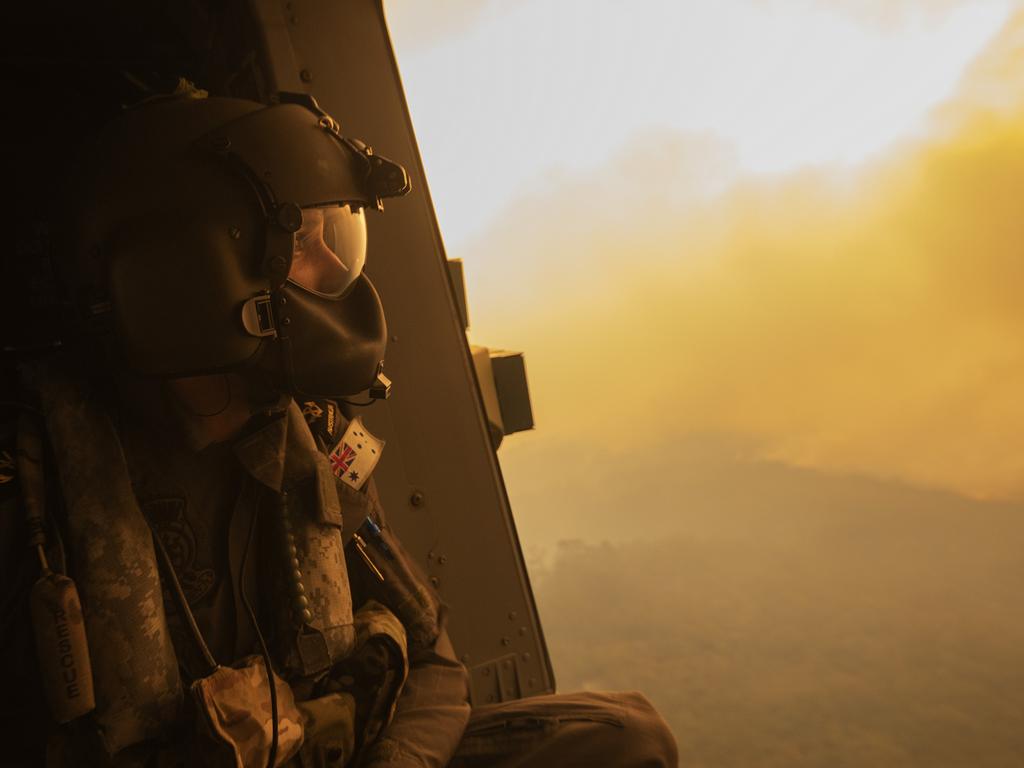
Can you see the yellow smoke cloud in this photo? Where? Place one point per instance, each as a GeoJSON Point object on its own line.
{"type": "Point", "coordinates": [869, 323]}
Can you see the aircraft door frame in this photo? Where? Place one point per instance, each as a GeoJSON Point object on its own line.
{"type": "Point", "coordinates": [439, 478]}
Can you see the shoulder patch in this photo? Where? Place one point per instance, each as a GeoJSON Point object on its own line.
{"type": "Point", "coordinates": [312, 411]}
{"type": "Point", "coordinates": [322, 418]}
{"type": "Point", "coordinates": [356, 454]}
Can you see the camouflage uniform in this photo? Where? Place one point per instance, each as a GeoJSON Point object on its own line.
{"type": "Point", "coordinates": [404, 706]}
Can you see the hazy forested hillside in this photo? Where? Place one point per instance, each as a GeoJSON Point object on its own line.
{"type": "Point", "coordinates": [829, 622]}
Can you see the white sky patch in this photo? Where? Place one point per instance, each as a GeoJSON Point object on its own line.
{"type": "Point", "coordinates": [540, 85]}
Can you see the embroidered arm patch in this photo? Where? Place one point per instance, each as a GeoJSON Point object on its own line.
{"type": "Point", "coordinates": [356, 454]}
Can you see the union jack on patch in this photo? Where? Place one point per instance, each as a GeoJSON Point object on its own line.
{"type": "Point", "coordinates": [341, 458]}
{"type": "Point", "coordinates": [355, 455]}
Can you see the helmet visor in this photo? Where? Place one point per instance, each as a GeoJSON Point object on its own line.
{"type": "Point", "coordinates": [329, 250]}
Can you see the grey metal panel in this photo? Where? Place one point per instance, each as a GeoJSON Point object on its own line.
{"type": "Point", "coordinates": [439, 477]}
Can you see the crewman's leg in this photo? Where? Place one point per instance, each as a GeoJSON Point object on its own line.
{"type": "Point", "coordinates": [577, 729]}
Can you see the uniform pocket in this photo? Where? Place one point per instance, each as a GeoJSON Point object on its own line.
{"type": "Point", "coordinates": [390, 576]}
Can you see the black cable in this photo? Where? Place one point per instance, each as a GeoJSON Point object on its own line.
{"type": "Point", "coordinates": [179, 595]}
{"type": "Point", "coordinates": [259, 636]}
{"type": "Point", "coordinates": [188, 409]}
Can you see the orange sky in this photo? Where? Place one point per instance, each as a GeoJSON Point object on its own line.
{"type": "Point", "coordinates": [776, 352]}
{"type": "Point", "coordinates": [857, 317]}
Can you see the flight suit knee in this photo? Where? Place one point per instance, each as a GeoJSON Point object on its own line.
{"type": "Point", "coordinates": [569, 730]}
{"type": "Point", "coordinates": [651, 743]}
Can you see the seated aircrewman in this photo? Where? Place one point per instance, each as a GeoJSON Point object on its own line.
{"type": "Point", "coordinates": [206, 497]}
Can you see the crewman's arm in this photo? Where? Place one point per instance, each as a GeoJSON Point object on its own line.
{"type": "Point", "coordinates": [433, 708]}
{"type": "Point", "coordinates": [431, 715]}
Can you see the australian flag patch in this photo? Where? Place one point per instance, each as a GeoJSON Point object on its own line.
{"type": "Point", "coordinates": [356, 454]}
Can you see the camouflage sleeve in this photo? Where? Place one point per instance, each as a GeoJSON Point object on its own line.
{"type": "Point", "coordinates": [433, 708]}
{"type": "Point", "coordinates": [431, 715]}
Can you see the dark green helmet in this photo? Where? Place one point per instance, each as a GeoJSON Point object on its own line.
{"type": "Point", "coordinates": [220, 234]}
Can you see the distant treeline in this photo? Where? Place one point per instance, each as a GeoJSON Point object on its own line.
{"type": "Point", "coordinates": [875, 637]}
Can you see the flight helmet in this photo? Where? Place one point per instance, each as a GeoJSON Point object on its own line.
{"type": "Point", "coordinates": [221, 234]}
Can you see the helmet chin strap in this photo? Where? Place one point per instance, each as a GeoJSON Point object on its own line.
{"type": "Point", "coordinates": [245, 395]}
{"type": "Point", "coordinates": [263, 394]}
{"type": "Point", "coordinates": [210, 408]}
{"type": "Point", "coordinates": [191, 394]}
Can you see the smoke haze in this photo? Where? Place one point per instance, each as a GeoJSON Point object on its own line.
{"type": "Point", "coordinates": [865, 322]}
{"type": "Point", "coordinates": [768, 413]}
{"type": "Point", "coordinates": [777, 481]}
